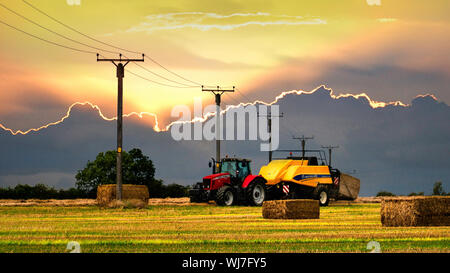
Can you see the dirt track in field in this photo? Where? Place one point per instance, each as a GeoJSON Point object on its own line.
{"type": "Point", "coordinates": [152, 202]}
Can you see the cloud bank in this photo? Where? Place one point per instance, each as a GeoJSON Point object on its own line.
{"type": "Point", "coordinates": [399, 148]}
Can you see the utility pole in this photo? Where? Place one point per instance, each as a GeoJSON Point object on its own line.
{"type": "Point", "coordinates": [120, 65]}
{"type": "Point", "coordinates": [269, 125]}
{"type": "Point", "coordinates": [330, 149]}
{"type": "Point", "coordinates": [218, 94]}
{"type": "Point", "coordinates": [303, 139]}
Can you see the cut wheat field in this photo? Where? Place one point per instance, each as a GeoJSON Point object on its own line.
{"type": "Point", "coordinates": [207, 228]}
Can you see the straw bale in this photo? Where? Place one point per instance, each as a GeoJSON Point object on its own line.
{"type": "Point", "coordinates": [107, 193]}
{"type": "Point", "coordinates": [415, 211]}
{"type": "Point", "coordinates": [291, 209]}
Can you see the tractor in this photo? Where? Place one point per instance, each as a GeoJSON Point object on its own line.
{"type": "Point", "coordinates": [293, 177]}
{"type": "Point", "coordinates": [230, 183]}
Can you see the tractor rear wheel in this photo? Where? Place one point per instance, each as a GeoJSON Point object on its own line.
{"type": "Point", "coordinates": [225, 196]}
{"type": "Point", "coordinates": [321, 193]}
{"type": "Point", "coordinates": [256, 193]}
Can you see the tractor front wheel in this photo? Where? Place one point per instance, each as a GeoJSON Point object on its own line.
{"type": "Point", "coordinates": [225, 196]}
{"type": "Point", "coordinates": [256, 193]}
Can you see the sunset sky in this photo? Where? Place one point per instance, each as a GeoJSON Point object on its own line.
{"type": "Point", "coordinates": [388, 51]}
{"type": "Point", "coordinates": [391, 50]}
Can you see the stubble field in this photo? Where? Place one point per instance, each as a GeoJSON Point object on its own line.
{"type": "Point", "coordinates": [175, 227]}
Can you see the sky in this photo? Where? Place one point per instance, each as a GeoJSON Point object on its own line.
{"type": "Point", "coordinates": [390, 50]}
{"type": "Point", "coordinates": [398, 148]}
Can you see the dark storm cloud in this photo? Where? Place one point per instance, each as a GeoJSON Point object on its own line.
{"type": "Point", "coordinates": [382, 82]}
{"type": "Point", "coordinates": [395, 148]}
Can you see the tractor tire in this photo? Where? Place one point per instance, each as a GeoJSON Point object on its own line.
{"type": "Point", "coordinates": [322, 194]}
{"type": "Point", "coordinates": [226, 196]}
{"type": "Point", "coordinates": [256, 193]}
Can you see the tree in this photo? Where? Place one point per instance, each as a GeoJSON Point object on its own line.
{"type": "Point", "coordinates": [385, 193]}
{"type": "Point", "coordinates": [417, 194]}
{"type": "Point", "coordinates": [175, 190]}
{"type": "Point", "coordinates": [438, 189]}
{"type": "Point", "coordinates": [137, 169]}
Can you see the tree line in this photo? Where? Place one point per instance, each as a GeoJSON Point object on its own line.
{"type": "Point", "coordinates": [137, 169]}
{"type": "Point", "coordinates": [438, 190]}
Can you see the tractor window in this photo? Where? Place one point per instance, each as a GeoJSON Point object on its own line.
{"type": "Point", "coordinates": [229, 167]}
{"type": "Point", "coordinates": [243, 170]}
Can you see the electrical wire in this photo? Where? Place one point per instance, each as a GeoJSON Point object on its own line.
{"type": "Point", "coordinates": [184, 85]}
{"type": "Point", "coordinates": [233, 99]}
{"type": "Point", "coordinates": [167, 79]}
{"type": "Point", "coordinates": [243, 95]}
{"type": "Point", "coordinates": [163, 67]}
{"type": "Point", "coordinates": [54, 32]}
{"type": "Point", "coordinates": [107, 44]}
{"type": "Point", "coordinates": [79, 32]}
{"type": "Point", "coordinates": [87, 52]}
{"type": "Point", "coordinates": [48, 41]}
{"type": "Point", "coordinates": [163, 84]}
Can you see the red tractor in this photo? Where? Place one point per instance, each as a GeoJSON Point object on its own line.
{"type": "Point", "coordinates": [230, 183]}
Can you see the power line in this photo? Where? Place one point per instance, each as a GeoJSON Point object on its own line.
{"type": "Point", "coordinates": [79, 32]}
{"type": "Point", "coordinates": [244, 96]}
{"type": "Point", "coordinates": [54, 32]}
{"type": "Point", "coordinates": [163, 84]}
{"type": "Point", "coordinates": [93, 47]}
{"type": "Point", "coordinates": [233, 99]}
{"type": "Point", "coordinates": [87, 52]}
{"type": "Point", "coordinates": [47, 41]}
{"type": "Point", "coordinates": [107, 44]}
{"type": "Point", "coordinates": [163, 67]}
{"type": "Point", "coordinates": [158, 75]}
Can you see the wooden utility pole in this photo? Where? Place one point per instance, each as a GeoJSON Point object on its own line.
{"type": "Point", "coordinates": [303, 139]}
{"type": "Point", "coordinates": [120, 65]}
{"type": "Point", "coordinates": [269, 125]}
{"type": "Point", "coordinates": [330, 149]}
{"type": "Point", "coordinates": [218, 94]}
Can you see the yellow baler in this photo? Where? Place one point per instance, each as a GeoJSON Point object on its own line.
{"type": "Point", "coordinates": [295, 171]}
{"type": "Point", "coordinates": [297, 178]}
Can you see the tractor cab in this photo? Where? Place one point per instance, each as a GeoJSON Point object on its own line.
{"type": "Point", "coordinates": [238, 168]}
